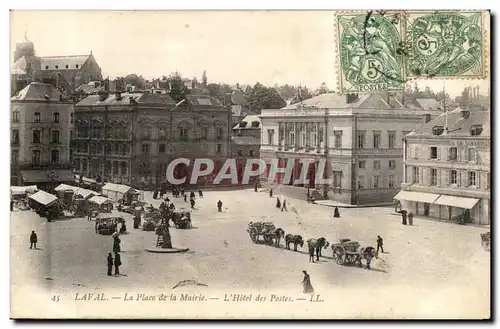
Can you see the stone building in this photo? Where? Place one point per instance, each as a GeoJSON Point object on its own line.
{"type": "Point", "coordinates": [41, 128]}
{"type": "Point", "coordinates": [64, 72]}
{"type": "Point", "coordinates": [359, 137]}
{"type": "Point", "coordinates": [447, 167]}
{"type": "Point", "coordinates": [246, 142]}
{"type": "Point", "coordinates": [130, 138]}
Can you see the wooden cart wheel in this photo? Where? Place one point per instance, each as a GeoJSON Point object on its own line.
{"type": "Point", "coordinates": [339, 255]}
{"type": "Point", "coordinates": [268, 239]}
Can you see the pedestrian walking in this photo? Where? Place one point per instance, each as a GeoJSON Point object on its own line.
{"type": "Point", "coordinates": [33, 240]}
{"type": "Point", "coordinates": [284, 206]}
{"type": "Point", "coordinates": [192, 203]}
{"type": "Point", "coordinates": [380, 243]}
{"type": "Point", "coordinates": [311, 254]}
{"type": "Point", "coordinates": [271, 192]}
{"type": "Point", "coordinates": [403, 217]}
{"type": "Point", "coordinates": [336, 212]}
{"type": "Point", "coordinates": [219, 206]}
{"type": "Point", "coordinates": [110, 264]}
{"type": "Point", "coordinates": [200, 193]}
{"type": "Point", "coordinates": [116, 243]}
{"type": "Point", "coordinates": [278, 203]}
{"type": "Point", "coordinates": [192, 195]}
{"type": "Point", "coordinates": [185, 198]}
{"type": "Point", "coordinates": [410, 219]}
{"type": "Point", "coordinates": [307, 287]}
{"type": "Point", "coordinates": [118, 263]}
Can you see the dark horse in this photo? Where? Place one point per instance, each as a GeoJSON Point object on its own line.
{"type": "Point", "coordinates": [317, 244]}
{"type": "Point", "coordinates": [277, 235]}
{"type": "Point", "coordinates": [295, 239]}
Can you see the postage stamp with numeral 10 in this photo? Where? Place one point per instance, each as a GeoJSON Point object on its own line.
{"type": "Point", "coordinates": [447, 44]}
{"type": "Point", "coordinates": [369, 54]}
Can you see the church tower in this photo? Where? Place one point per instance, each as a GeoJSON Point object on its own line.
{"type": "Point", "coordinates": [26, 48]}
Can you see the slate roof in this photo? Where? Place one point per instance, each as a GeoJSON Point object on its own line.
{"type": "Point", "coordinates": [458, 125]}
{"type": "Point", "coordinates": [330, 100]}
{"type": "Point", "coordinates": [62, 61]}
{"type": "Point", "coordinates": [127, 98]}
{"type": "Point", "coordinates": [249, 119]}
{"type": "Point", "coordinates": [429, 104]}
{"type": "Point", "coordinates": [203, 101]}
{"type": "Point", "coordinates": [37, 91]}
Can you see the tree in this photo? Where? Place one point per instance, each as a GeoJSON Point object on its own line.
{"type": "Point", "coordinates": [262, 97]}
{"type": "Point", "coordinates": [135, 80]}
{"type": "Point", "coordinates": [323, 89]}
{"type": "Point", "coordinates": [204, 78]}
{"type": "Point", "coordinates": [177, 87]}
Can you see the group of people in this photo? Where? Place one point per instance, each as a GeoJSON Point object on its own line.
{"type": "Point", "coordinates": [280, 205]}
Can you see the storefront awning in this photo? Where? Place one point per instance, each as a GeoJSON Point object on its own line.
{"type": "Point", "coordinates": [455, 201]}
{"type": "Point", "coordinates": [417, 196]}
{"type": "Point", "coordinates": [45, 176]}
{"type": "Point", "coordinates": [43, 198]}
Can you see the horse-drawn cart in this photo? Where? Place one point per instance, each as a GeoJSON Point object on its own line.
{"type": "Point", "coordinates": [486, 241]}
{"type": "Point", "coordinates": [347, 252]}
{"type": "Point", "coordinates": [264, 229]}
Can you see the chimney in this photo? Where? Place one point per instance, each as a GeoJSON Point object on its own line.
{"type": "Point", "coordinates": [103, 95]}
{"type": "Point", "coordinates": [118, 95]}
{"type": "Point", "coordinates": [427, 117]}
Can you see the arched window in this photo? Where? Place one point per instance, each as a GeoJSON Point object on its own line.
{"type": "Point", "coordinates": [36, 157]}
{"type": "Point", "coordinates": [15, 116]}
{"type": "Point", "coordinates": [54, 157]}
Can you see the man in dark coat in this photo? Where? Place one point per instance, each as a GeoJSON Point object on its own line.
{"type": "Point", "coordinates": [11, 205]}
{"type": "Point", "coordinates": [336, 212]}
{"type": "Point", "coordinates": [185, 198]}
{"type": "Point", "coordinates": [192, 195]}
{"type": "Point", "coordinates": [192, 203]}
{"type": "Point", "coordinates": [200, 193]}
{"type": "Point", "coordinates": [110, 264]}
{"type": "Point", "coordinates": [219, 206]}
{"type": "Point", "coordinates": [278, 203]}
{"type": "Point", "coordinates": [118, 263]}
{"type": "Point", "coordinates": [403, 216]}
{"type": "Point", "coordinates": [380, 243]}
{"type": "Point", "coordinates": [311, 254]}
{"type": "Point", "coordinates": [284, 206]}
{"type": "Point", "coordinates": [271, 192]}
{"type": "Point", "coordinates": [33, 240]}
{"type": "Point", "coordinates": [116, 244]}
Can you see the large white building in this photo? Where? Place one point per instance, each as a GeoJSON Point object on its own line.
{"type": "Point", "coordinates": [360, 137]}
{"type": "Point", "coordinates": [447, 168]}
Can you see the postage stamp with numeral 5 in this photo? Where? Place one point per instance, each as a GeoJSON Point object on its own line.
{"type": "Point", "coordinates": [447, 44]}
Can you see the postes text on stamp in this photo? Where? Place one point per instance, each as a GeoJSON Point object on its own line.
{"type": "Point", "coordinates": [369, 51]}
{"type": "Point", "coordinates": [445, 44]}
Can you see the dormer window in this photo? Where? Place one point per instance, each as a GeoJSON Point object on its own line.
{"type": "Point", "coordinates": [67, 66]}
{"type": "Point", "coordinates": [57, 66]}
{"type": "Point", "coordinates": [437, 130]}
{"type": "Point", "coordinates": [476, 130]}
{"type": "Point", "coordinates": [255, 124]}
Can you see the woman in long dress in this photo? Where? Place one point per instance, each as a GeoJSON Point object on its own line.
{"type": "Point", "coordinates": [307, 288]}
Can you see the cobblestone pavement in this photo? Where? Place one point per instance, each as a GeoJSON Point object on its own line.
{"type": "Point", "coordinates": [442, 264]}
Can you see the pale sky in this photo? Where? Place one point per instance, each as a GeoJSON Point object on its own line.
{"type": "Point", "coordinates": [294, 47]}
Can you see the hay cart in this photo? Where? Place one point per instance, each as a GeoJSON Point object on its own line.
{"type": "Point", "coordinates": [106, 225]}
{"type": "Point", "coordinates": [347, 252]}
{"type": "Point", "coordinates": [264, 229]}
{"type": "Point", "coordinates": [486, 241]}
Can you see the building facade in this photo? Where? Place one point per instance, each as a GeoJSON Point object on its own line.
{"type": "Point", "coordinates": [447, 168]}
{"type": "Point", "coordinates": [64, 72]}
{"type": "Point", "coordinates": [130, 138]}
{"type": "Point", "coordinates": [41, 128]}
{"type": "Point", "coordinates": [359, 138]}
{"type": "Point", "coordinates": [246, 143]}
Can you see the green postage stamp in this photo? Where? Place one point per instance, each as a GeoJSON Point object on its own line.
{"type": "Point", "coordinates": [382, 50]}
